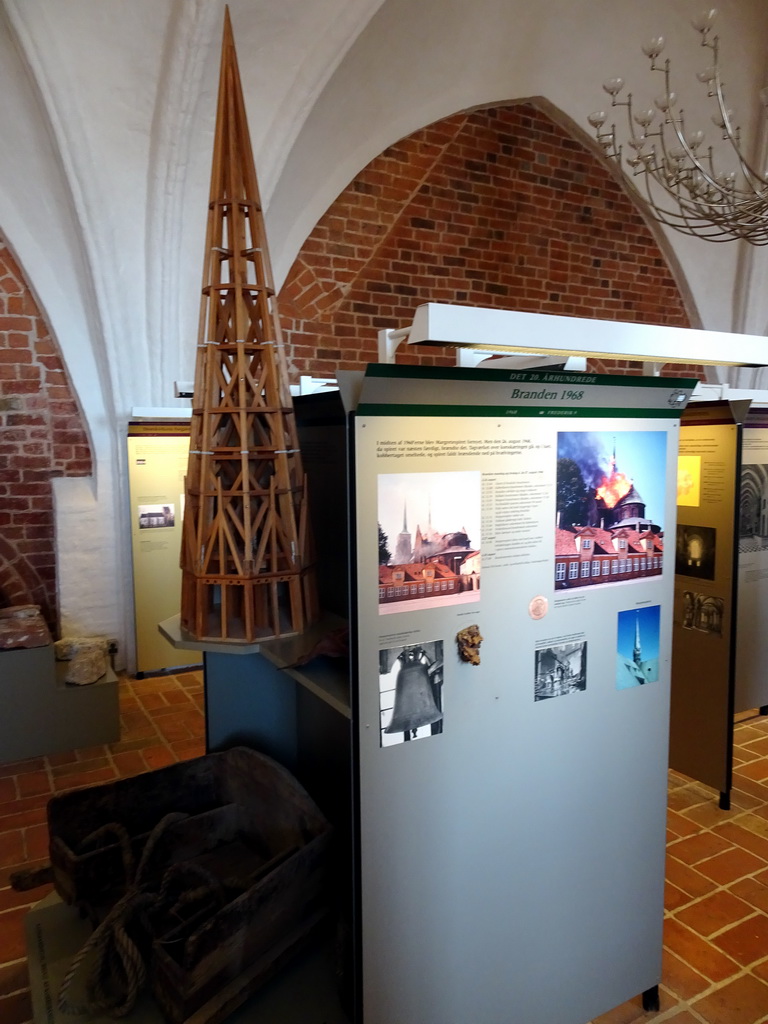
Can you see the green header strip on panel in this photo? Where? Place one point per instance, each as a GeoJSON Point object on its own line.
{"type": "Point", "coordinates": [502, 411]}
{"type": "Point", "coordinates": [542, 376]}
{"type": "Point", "coordinates": [154, 428]}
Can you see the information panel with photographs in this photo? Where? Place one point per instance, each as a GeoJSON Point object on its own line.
{"type": "Point", "coordinates": [514, 625]}
{"type": "Point", "coordinates": [701, 726]}
{"type": "Point", "coordinates": [752, 648]}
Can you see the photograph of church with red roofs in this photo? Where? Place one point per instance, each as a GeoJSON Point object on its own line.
{"type": "Point", "coordinates": [429, 540]}
{"type": "Point", "coordinates": [609, 507]}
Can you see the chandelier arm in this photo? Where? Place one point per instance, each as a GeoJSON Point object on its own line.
{"type": "Point", "coordinates": [677, 126]}
{"type": "Point", "coordinates": [685, 225]}
{"type": "Point", "coordinates": [756, 181]}
{"type": "Point", "coordinates": [705, 203]}
{"type": "Point", "coordinates": [634, 137]}
{"type": "Point", "coordinates": [628, 104]}
{"type": "Point", "coordinates": [758, 184]}
{"type": "Point", "coordinates": [702, 210]}
{"type": "Point", "coordinates": [682, 177]}
{"type": "Point", "coordinates": [672, 218]}
{"type": "Point", "coordinates": [712, 228]}
{"type": "Point", "coordinates": [727, 197]}
{"type": "Point", "coordinates": [689, 218]}
{"type": "Point", "coordinates": [711, 161]}
{"type": "Point", "coordinates": [632, 133]}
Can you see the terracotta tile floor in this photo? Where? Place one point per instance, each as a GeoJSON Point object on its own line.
{"type": "Point", "coordinates": [715, 967]}
{"type": "Point", "coordinates": [161, 722]}
{"type": "Point", "coordinates": [716, 932]}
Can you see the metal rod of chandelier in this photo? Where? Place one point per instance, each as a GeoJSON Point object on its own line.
{"type": "Point", "coordinates": [670, 169]}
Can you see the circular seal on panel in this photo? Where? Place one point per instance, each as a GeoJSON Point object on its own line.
{"type": "Point", "coordinates": [538, 607]}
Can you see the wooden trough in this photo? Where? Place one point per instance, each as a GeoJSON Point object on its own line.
{"type": "Point", "coordinates": [233, 854]}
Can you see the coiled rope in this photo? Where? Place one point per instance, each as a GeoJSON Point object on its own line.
{"type": "Point", "coordinates": [118, 972]}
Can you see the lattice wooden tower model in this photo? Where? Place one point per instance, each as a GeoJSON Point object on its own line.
{"type": "Point", "coordinates": [246, 573]}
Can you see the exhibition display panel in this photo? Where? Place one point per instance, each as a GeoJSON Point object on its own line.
{"type": "Point", "coordinates": [704, 643]}
{"type": "Point", "coordinates": [493, 756]}
{"type": "Point", "coordinates": [752, 650]}
{"type": "Point", "coordinates": [511, 795]}
{"type": "Point", "coordinates": [157, 463]}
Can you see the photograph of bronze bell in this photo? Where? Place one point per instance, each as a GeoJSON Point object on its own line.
{"type": "Point", "coordinates": [417, 692]}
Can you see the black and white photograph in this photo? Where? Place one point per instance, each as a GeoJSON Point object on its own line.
{"type": "Point", "coordinates": [695, 551]}
{"type": "Point", "coordinates": [152, 517]}
{"type": "Point", "coordinates": [560, 669]}
{"type": "Point", "coordinates": [753, 508]}
{"type": "Point", "coordinates": [703, 612]}
{"type": "Point", "coordinates": [410, 693]}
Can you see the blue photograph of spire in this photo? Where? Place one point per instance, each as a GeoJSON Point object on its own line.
{"type": "Point", "coordinates": [637, 656]}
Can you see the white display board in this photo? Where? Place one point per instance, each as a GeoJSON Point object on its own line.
{"type": "Point", "coordinates": [752, 648]}
{"type": "Point", "coordinates": [512, 813]}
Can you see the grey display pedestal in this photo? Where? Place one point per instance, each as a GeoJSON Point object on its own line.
{"type": "Point", "coordinates": [256, 695]}
{"type": "Point", "coordinates": [44, 715]}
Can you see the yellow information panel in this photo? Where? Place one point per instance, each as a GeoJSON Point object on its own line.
{"type": "Point", "coordinates": [157, 464]}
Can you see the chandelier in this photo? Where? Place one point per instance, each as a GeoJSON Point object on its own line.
{"type": "Point", "coordinates": [672, 170]}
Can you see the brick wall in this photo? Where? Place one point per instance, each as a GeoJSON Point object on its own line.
{"type": "Point", "coordinates": [498, 207]}
{"type": "Point", "coordinates": [41, 436]}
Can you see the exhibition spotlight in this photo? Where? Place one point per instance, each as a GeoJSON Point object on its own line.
{"type": "Point", "coordinates": [667, 162]}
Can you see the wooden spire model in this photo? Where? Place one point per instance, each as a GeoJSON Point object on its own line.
{"type": "Point", "coordinates": [245, 550]}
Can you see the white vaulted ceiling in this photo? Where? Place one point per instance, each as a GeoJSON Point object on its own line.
{"type": "Point", "coordinates": [106, 126]}
{"type": "Point", "coordinates": [118, 110]}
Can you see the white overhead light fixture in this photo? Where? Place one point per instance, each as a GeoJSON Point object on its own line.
{"type": "Point", "coordinates": [504, 330]}
{"type": "Point", "coordinates": [672, 170]}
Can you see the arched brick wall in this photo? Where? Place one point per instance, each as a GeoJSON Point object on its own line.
{"type": "Point", "coordinates": [42, 435]}
{"type": "Point", "coordinates": [497, 207]}
{"type": "Point", "coordinates": [20, 583]}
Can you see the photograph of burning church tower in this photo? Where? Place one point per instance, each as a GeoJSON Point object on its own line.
{"type": "Point", "coordinates": [429, 539]}
{"type": "Point", "coordinates": [609, 507]}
